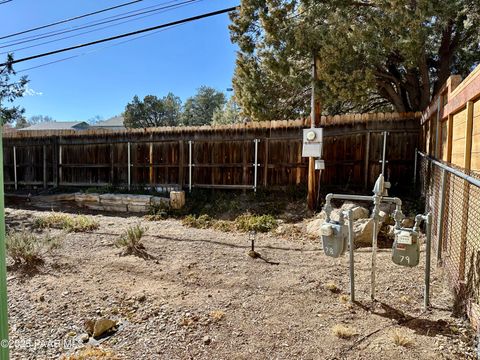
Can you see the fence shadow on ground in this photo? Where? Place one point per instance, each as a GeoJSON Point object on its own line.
{"type": "Point", "coordinates": [420, 326]}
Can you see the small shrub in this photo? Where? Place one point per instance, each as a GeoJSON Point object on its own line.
{"type": "Point", "coordinates": [217, 315]}
{"type": "Point", "coordinates": [223, 225]}
{"type": "Point", "coordinates": [29, 249]}
{"type": "Point", "coordinates": [70, 223]}
{"type": "Point", "coordinates": [259, 223]}
{"type": "Point", "coordinates": [331, 286]}
{"type": "Point", "coordinates": [90, 353]}
{"type": "Point", "coordinates": [400, 338]}
{"type": "Point", "coordinates": [202, 222]}
{"type": "Point", "coordinates": [131, 242]}
{"type": "Point", "coordinates": [343, 332]}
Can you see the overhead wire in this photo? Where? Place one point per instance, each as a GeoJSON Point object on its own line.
{"type": "Point", "coordinates": [86, 23]}
{"type": "Point", "coordinates": [96, 50]}
{"type": "Point", "coordinates": [177, 22]}
{"type": "Point", "coordinates": [100, 23]}
{"type": "Point", "coordinates": [70, 19]}
{"type": "Point", "coordinates": [158, 11]}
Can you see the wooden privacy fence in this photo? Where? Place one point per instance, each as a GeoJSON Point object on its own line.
{"type": "Point", "coordinates": [266, 154]}
{"type": "Point", "coordinates": [451, 136]}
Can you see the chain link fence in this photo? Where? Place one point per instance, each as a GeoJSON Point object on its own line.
{"type": "Point", "coordinates": [452, 195]}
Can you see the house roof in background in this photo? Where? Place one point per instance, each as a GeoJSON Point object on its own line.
{"type": "Point", "coordinates": [58, 125]}
{"type": "Point", "coordinates": [116, 121]}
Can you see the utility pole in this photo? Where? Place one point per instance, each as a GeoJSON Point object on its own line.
{"type": "Point", "coordinates": [4, 353]}
{"type": "Point", "coordinates": [314, 121]}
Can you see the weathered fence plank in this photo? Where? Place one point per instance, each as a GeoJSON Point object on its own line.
{"type": "Point", "coordinates": [222, 157]}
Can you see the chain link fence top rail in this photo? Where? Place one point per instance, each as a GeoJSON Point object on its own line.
{"type": "Point", "coordinates": [455, 207]}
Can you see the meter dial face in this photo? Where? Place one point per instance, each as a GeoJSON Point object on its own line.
{"type": "Point", "coordinates": [311, 135]}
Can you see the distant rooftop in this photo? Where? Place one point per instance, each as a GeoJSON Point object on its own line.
{"type": "Point", "coordinates": [115, 122]}
{"type": "Point", "coordinates": [58, 125]}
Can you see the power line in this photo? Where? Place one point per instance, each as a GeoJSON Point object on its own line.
{"type": "Point", "coordinates": [95, 50]}
{"type": "Point", "coordinates": [68, 20]}
{"type": "Point", "coordinates": [149, 12]}
{"type": "Point", "coordinates": [4, 2]}
{"type": "Point", "coordinates": [9, 42]}
{"type": "Point", "coordinates": [182, 21]}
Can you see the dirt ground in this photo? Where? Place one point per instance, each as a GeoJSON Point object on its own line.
{"type": "Point", "coordinates": [204, 298]}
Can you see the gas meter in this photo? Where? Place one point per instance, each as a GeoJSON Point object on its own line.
{"type": "Point", "coordinates": [334, 239]}
{"type": "Point", "coordinates": [312, 142]}
{"type": "Point", "coordinates": [406, 248]}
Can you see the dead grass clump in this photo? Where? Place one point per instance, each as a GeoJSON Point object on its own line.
{"type": "Point", "coordinates": [69, 223]}
{"type": "Point", "coordinates": [344, 298]}
{"type": "Point", "coordinates": [224, 225]}
{"type": "Point", "coordinates": [259, 223]}
{"type": "Point", "coordinates": [202, 222]}
{"type": "Point", "coordinates": [217, 315]}
{"type": "Point", "coordinates": [400, 338]}
{"type": "Point", "coordinates": [92, 353]}
{"type": "Point", "coordinates": [28, 249]}
{"type": "Point", "coordinates": [343, 332]}
{"type": "Point", "coordinates": [131, 242]}
{"type": "Point", "coordinates": [331, 286]}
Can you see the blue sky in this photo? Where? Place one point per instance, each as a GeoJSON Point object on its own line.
{"type": "Point", "coordinates": [101, 83]}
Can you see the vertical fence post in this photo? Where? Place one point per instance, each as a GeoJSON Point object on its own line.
{"type": "Point", "coordinates": [415, 168]}
{"type": "Point", "coordinates": [384, 151]}
{"type": "Point", "coordinates": [440, 217]}
{"type": "Point", "coordinates": [181, 164]}
{"type": "Point", "coordinates": [150, 163]}
{"type": "Point", "coordinates": [4, 351]}
{"type": "Point", "coordinates": [427, 260]}
{"type": "Point", "coordinates": [265, 164]}
{"type": "Point", "coordinates": [190, 165]}
{"type": "Point", "coordinates": [255, 165]}
{"type": "Point", "coordinates": [112, 172]}
{"type": "Point", "coordinates": [60, 165]}
{"type": "Point", "coordinates": [129, 172]}
{"type": "Point", "coordinates": [367, 159]}
{"type": "Point", "coordinates": [55, 161]}
{"type": "Point", "coordinates": [15, 166]}
{"type": "Point", "coordinates": [44, 166]}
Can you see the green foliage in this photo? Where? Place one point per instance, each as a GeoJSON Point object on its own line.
{"type": "Point", "coordinates": [28, 249]}
{"type": "Point", "coordinates": [245, 222]}
{"type": "Point", "coordinates": [153, 111]}
{"type": "Point", "coordinates": [202, 222]}
{"type": "Point", "coordinates": [229, 114]}
{"type": "Point", "coordinates": [371, 55]}
{"type": "Point", "coordinates": [10, 89]}
{"type": "Point", "coordinates": [157, 212]}
{"type": "Point", "coordinates": [199, 109]}
{"type": "Point", "coordinates": [69, 223]}
{"type": "Point", "coordinates": [132, 237]}
{"type": "Point", "coordinates": [131, 242]}
{"type": "Point", "coordinates": [259, 223]}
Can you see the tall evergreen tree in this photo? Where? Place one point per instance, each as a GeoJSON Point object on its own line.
{"type": "Point", "coordinates": [199, 109]}
{"type": "Point", "coordinates": [10, 89]}
{"type": "Point", "coordinates": [371, 54]}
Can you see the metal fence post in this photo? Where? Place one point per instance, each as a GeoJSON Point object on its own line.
{"type": "Point", "coordinates": [415, 168]}
{"type": "Point", "coordinates": [440, 217]}
{"type": "Point", "coordinates": [190, 165]}
{"type": "Point", "coordinates": [427, 260]}
{"type": "Point", "coordinates": [60, 165]}
{"type": "Point", "coordinates": [129, 166]}
{"type": "Point", "coordinates": [15, 166]}
{"type": "Point", "coordinates": [4, 350]}
{"type": "Point", "coordinates": [44, 167]}
{"type": "Point", "coordinates": [255, 165]}
{"type": "Point", "coordinates": [351, 259]}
